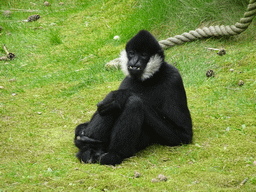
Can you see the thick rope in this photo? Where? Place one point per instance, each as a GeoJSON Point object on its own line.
{"type": "Point", "coordinates": [205, 32]}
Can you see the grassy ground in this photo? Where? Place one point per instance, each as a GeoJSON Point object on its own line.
{"type": "Point", "coordinates": [58, 77]}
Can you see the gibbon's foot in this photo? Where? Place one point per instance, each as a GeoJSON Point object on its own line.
{"type": "Point", "coordinates": [110, 159]}
{"type": "Point", "coordinates": [89, 156]}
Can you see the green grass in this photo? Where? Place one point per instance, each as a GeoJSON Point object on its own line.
{"type": "Point", "coordinates": [58, 77]}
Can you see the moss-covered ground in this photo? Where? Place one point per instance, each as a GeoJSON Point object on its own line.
{"type": "Point", "coordinates": [59, 75]}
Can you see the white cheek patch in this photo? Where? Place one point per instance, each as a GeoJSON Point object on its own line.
{"type": "Point", "coordinates": [123, 62]}
{"type": "Point", "coordinates": [152, 67]}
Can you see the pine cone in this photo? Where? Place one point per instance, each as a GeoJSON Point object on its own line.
{"type": "Point", "coordinates": [241, 83]}
{"type": "Point", "coordinates": [221, 52]}
{"type": "Point", "coordinates": [210, 73]}
{"type": "Point", "coordinates": [10, 56]}
{"type": "Point", "coordinates": [33, 18]}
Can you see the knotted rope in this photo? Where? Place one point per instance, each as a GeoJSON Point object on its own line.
{"type": "Point", "coordinates": [205, 32]}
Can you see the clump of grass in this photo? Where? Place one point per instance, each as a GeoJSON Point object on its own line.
{"type": "Point", "coordinates": [54, 36]}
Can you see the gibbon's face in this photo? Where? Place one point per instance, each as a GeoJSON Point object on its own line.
{"type": "Point", "coordinates": [137, 62]}
{"type": "Point", "coordinates": [142, 57]}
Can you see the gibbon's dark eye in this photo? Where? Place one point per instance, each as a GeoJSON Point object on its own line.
{"type": "Point", "coordinates": [144, 55]}
{"type": "Point", "coordinates": [131, 53]}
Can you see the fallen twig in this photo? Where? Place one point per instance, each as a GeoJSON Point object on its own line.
{"type": "Point", "coordinates": [4, 58]}
{"type": "Point", "coordinates": [244, 181]}
{"type": "Point", "coordinates": [220, 52]}
{"type": "Point", "coordinates": [24, 10]}
{"type": "Point", "coordinates": [9, 54]}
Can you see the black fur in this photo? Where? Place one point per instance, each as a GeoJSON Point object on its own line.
{"type": "Point", "coordinates": [149, 107]}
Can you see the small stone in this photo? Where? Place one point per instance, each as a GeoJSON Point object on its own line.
{"type": "Point", "coordinates": [136, 174]}
{"type": "Point", "coordinates": [39, 113]}
{"type": "Point", "coordinates": [254, 163]}
{"type": "Point", "coordinates": [197, 145]}
{"type": "Point", "coordinates": [1, 87]}
{"type": "Point", "coordinates": [241, 83]}
{"type": "Point", "coordinates": [116, 37]}
{"type": "Point", "coordinates": [46, 3]}
{"type": "Point", "coordinates": [13, 94]}
{"type": "Point", "coordinates": [154, 180]}
{"type": "Point", "coordinates": [36, 28]}
{"type": "Point", "coordinates": [49, 169]}
{"type": "Point", "coordinates": [61, 3]}
{"type": "Point", "coordinates": [162, 177]}
{"type": "Point", "coordinates": [231, 70]}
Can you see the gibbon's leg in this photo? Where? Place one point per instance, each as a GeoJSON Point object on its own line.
{"type": "Point", "coordinates": [125, 133]}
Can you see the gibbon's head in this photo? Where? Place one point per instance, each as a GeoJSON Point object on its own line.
{"type": "Point", "coordinates": [142, 56]}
